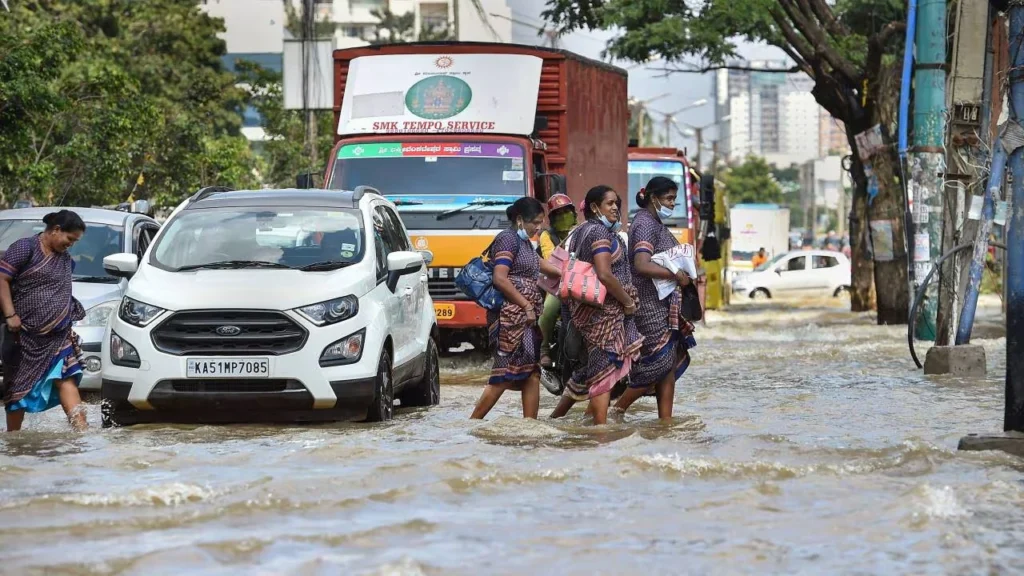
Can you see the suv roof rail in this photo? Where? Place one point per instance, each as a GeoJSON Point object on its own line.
{"type": "Point", "coordinates": [357, 194]}
{"type": "Point", "coordinates": [208, 191]}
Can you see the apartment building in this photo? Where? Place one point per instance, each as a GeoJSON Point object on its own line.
{"type": "Point", "coordinates": [769, 114]}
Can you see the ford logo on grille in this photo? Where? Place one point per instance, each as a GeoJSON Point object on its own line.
{"type": "Point", "coordinates": [229, 330]}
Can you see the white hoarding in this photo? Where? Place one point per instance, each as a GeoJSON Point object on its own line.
{"type": "Point", "coordinates": [440, 93]}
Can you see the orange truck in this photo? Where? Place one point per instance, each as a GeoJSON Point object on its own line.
{"type": "Point", "coordinates": [453, 133]}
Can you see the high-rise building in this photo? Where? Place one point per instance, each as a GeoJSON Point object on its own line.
{"type": "Point", "coordinates": [831, 136]}
{"type": "Point", "coordinates": [770, 114]}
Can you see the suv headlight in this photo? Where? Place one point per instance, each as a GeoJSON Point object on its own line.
{"type": "Point", "coordinates": [330, 312]}
{"type": "Point", "coordinates": [137, 313]}
{"type": "Point", "coordinates": [98, 315]}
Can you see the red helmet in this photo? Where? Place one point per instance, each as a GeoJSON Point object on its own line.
{"type": "Point", "coordinates": [559, 201]}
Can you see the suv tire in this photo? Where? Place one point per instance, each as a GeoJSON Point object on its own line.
{"type": "Point", "coordinates": [426, 392]}
{"type": "Point", "coordinates": [383, 406]}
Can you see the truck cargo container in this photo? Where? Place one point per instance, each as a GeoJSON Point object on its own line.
{"type": "Point", "coordinates": [455, 132]}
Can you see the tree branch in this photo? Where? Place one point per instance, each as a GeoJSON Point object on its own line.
{"type": "Point", "coordinates": [823, 49]}
{"type": "Point", "coordinates": [825, 14]}
{"type": "Point", "coordinates": [876, 47]}
{"type": "Point", "coordinates": [798, 44]}
{"type": "Point", "coordinates": [702, 69]}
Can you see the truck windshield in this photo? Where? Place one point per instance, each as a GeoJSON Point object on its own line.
{"type": "Point", "coordinates": [437, 174]}
{"type": "Point", "coordinates": [640, 171]}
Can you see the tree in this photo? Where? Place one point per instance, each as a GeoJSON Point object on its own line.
{"type": "Point", "coordinates": [849, 49]}
{"type": "Point", "coordinates": [283, 152]}
{"type": "Point", "coordinates": [95, 93]}
{"type": "Point", "coordinates": [401, 29]}
{"type": "Point", "coordinates": [752, 183]}
{"type": "Point", "coordinates": [651, 135]}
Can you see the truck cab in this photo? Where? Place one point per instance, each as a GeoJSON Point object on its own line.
{"type": "Point", "coordinates": [646, 163]}
{"type": "Point", "coordinates": [453, 133]}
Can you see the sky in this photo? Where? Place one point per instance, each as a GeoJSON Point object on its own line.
{"type": "Point", "coordinates": [682, 89]}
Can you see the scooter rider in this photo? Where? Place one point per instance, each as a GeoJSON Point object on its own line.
{"type": "Point", "coordinates": [562, 219]}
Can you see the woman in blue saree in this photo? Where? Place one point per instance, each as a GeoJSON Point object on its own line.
{"type": "Point", "coordinates": [44, 368]}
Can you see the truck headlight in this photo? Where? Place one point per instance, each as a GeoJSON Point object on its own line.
{"type": "Point", "coordinates": [98, 315]}
{"type": "Point", "coordinates": [137, 313]}
{"type": "Point", "coordinates": [331, 311]}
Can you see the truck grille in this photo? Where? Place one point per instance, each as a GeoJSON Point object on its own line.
{"type": "Point", "coordinates": [254, 332]}
{"type": "Point", "coordinates": [441, 284]}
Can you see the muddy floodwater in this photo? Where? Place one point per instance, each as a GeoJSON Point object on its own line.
{"type": "Point", "coordinates": [804, 442]}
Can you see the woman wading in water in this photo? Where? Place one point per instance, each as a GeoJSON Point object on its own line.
{"type": "Point", "coordinates": [513, 334]}
{"type": "Point", "coordinates": [43, 369]}
{"type": "Point", "coordinates": [664, 356]}
{"type": "Point", "coordinates": [610, 338]}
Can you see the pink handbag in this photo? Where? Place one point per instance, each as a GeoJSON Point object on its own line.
{"type": "Point", "coordinates": [580, 283]}
{"type": "Point", "coordinates": [557, 259]}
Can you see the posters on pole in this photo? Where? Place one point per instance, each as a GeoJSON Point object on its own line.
{"type": "Point", "coordinates": [882, 240]}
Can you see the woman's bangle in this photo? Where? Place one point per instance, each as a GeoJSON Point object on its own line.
{"type": "Point", "coordinates": [11, 316]}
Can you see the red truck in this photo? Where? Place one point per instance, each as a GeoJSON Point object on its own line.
{"type": "Point", "coordinates": [453, 133]}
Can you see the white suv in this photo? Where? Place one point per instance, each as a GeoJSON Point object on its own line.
{"type": "Point", "coordinates": [272, 305]}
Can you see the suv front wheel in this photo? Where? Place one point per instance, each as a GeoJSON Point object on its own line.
{"type": "Point", "coordinates": [426, 392]}
{"type": "Point", "coordinates": [383, 405]}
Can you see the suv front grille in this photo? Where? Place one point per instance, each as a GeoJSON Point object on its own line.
{"type": "Point", "coordinates": [253, 332]}
{"type": "Point", "coordinates": [441, 284]}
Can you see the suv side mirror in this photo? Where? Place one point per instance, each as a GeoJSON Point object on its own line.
{"type": "Point", "coordinates": [402, 264]}
{"type": "Point", "coordinates": [123, 265]}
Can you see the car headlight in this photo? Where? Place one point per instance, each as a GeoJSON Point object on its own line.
{"type": "Point", "coordinates": [137, 313]}
{"type": "Point", "coordinates": [122, 353]}
{"type": "Point", "coordinates": [330, 312]}
{"type": "Point", "coordinates": [98, 315]}
{"type": "Point", "coordinates": [348, 350]}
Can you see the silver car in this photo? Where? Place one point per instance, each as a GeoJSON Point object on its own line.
{"type": "Point", "coordinates": [106, 232]}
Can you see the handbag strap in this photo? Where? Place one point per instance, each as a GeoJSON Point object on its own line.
{"type": "Point", "coordinates": [491, 245]}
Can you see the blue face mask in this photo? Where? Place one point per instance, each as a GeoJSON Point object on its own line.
{"type": "Point", "coordinates": [522, 234]}
{"type": "Point", "coordinates": [607, 223]}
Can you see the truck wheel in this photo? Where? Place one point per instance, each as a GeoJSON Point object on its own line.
{"type": "Point", "coordinates": [383, 405]}
{"type": "Point", "coordinates": [426, 392]}
{"type": "Point", "coordinates": [760, 294]}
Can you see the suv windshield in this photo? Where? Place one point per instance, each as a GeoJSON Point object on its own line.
{"type": "Point", "coordinates": [98, 242]}
{"type": "Point", "coordinates": [641, 171]}
{"type": "Point", "coordinates": [222, 238]}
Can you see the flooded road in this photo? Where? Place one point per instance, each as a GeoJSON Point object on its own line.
{"type": "Point", "coordinates": [804, 442]}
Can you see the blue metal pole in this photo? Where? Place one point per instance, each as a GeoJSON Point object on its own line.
{"type": "Point", "coordinates": [908, 70]}
{"type": "Point", "coordinates": [1013, 418]}
{"type": "Point", "coordinates": [966, 325]}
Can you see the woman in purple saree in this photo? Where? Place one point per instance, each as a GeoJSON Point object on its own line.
{"type": "Point", "coordinates": [43, 369]}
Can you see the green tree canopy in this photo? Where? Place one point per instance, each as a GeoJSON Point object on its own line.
{"type": "Point", "coordinates": [96, 93]}
{"type": "Point", "coordinates": [752, 182]}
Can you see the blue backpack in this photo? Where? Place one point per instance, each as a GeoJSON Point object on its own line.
{"type": "Point", "coordinates": [476, 281]}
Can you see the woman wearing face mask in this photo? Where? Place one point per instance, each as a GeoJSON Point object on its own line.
{"type": "Point", "coordinates": [44, 369]}
{"type": "Point", "coordinates": [513, 334]}
{"type": "Point", "coordinates": [562, 216]}
{"type": "Point", "coordinates": [664, 355]}
{"type": "Point", "coordinates": [610, 338]}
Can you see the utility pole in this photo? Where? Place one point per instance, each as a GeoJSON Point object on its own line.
{"type": "Point", "coordinates": [699, 134]}
{"type": "Point", "coordinates": [968, 142]}
{"type": "Point", "coordinates": [1013, 416]}
{"type": "Point", "coordinates": [927, 158]}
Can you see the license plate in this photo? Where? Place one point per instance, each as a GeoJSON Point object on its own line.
{"type": "Point", "coordinates": [227, 368]}
{"type": "Point", "coordinates": [444, 311]}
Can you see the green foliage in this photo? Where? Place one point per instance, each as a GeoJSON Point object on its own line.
{"type": "Point", "coordinates": [94, 93]}
{"type": "Point", "coordinates": [284, 152]}
{"type": "Point", "coordinates": [401, 29]}
{"type": "Point", "coordinates": [752, 183]}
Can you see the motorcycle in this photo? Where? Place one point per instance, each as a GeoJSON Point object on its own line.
{"type": "Point", "coordinates": [568, 353]}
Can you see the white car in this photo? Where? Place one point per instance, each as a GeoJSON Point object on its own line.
{"type": "Point", "coordinates": [223, 322]}
{"type": "Point", "coordinates": [799, 273]}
